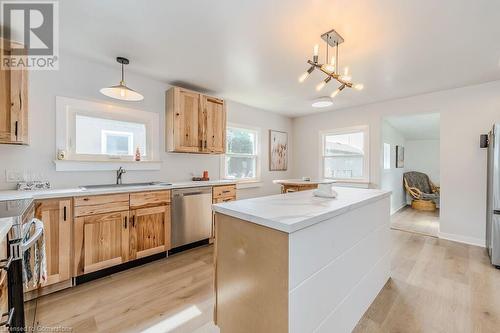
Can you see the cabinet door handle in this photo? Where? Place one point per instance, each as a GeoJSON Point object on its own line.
{"type": "Point", "coordinates": [133, 221]}
{"type": "Point", "coordinates": [7, 262]}
{"type": "Point", "coordinates": [64, 213]}
{"type": "Point", "coordinates": [16, 125]}
{"type": "Point", "coordinates": [10, 315]}
{"type": "Point", "coordinates": [126, 222]}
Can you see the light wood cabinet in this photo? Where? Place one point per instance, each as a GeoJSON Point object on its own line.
{"type": "Point", "coordinates": [214, 125]}
{"type": "Point", "coordinates": [150, 231]}
{"type": "Point", "coordinates": [221, 193]}
{"type": "Point", "coordinates": [13, 105]}
{"type": "Point", "coordinates": [56, 215]}
{"type": "Point", "coordinates": [101, 241]}
{"type": "Point", "coordinates": [195, 123]}
{"type": "Point", "coordinates": [113, 229]}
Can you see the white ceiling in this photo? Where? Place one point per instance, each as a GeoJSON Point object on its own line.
{"type": "Point", "coordinates": [253, 51]}
{"type": "Point", "coordinates": [417, 127]}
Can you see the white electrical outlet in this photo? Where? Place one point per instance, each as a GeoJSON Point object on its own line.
{"type": "Point", "coordinates": [14, 176]}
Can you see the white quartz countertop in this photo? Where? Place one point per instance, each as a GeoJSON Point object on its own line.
{"type": "Point", "coordinates": [294, 211]}
{"type": "Point", "coordinates": [76, 191]}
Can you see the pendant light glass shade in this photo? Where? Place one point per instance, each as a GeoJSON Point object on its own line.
{"type": "Point", "coordinates": [121, 91]}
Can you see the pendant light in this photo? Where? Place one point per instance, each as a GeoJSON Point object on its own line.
{"type": "Point", "coordinates": [121, 91]}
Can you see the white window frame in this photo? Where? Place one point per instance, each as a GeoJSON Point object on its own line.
{"type": "Point", "coordinates": [257, 155]}
{"type": "Point", "coordinates": [388, 153]}
{"type": "Point", "coordinates": [66, 111]}
{"type": "Point", "coordinates": [366, 150]}
{"type": "Point", "coordinates": [104, 140]}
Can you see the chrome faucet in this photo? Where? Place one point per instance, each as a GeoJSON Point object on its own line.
{"type": "Point", "coordinates": [119, 174]}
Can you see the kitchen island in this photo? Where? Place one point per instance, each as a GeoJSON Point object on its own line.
{"type": "Point", "coordinates": [298, 263]}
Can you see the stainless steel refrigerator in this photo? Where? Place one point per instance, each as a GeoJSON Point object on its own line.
{"type": "Point", "coordinates": [493, 196]}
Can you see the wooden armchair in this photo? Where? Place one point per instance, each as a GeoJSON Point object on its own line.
{"type": "Point", "coordinates": [424, 193]}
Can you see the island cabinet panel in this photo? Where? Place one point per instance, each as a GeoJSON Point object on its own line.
{"type": "Point", "coordinates": [13, 104]}
{"type": "Point", "coordinates": [251, 277]}
{"type": "Point", "coordinates": [101, 241]}
{"type": "Point", "coordinates": [214, 125]}
{"type": "Point", "coordinates": [149, 231]}
{"type": "Point", "coordinates": [56, 215]}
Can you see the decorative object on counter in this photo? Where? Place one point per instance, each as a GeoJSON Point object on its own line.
{"type": "Point", "coordinates": [278, 150]}
{"type": "Point", "coordinates": [121, 91]}
{"type": "Point", "coordinates": [400, 157]}
{"type": "Point", "coordinates": [61, 155]}
{"type": "Point", "coordinates": [325, 191]}
{"type": "Point", "coordinates": [202, 178]}
{"type": "Point", "coordinates": [33, 185]}
{"type": "Point", "coordinates": [138, 154]}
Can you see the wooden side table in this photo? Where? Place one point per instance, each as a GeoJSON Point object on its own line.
{"type": "Point", "coordinates": [295, 185]}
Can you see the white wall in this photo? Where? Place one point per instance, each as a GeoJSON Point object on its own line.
{"type": "Point", "coordinates": [392, 179]}
{"type": "Point", "coordinates": [423, 156]}
{"type": "Point", "coordinates": [80, 78]}
{"type": "Point", "coordinates": [465, 114]}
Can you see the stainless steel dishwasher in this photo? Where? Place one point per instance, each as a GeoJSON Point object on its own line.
{"type": "Point", "coordinates": [191, 215]}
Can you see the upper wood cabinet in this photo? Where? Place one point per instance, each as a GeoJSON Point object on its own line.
{"type": "Point", "coordinates": [13, 105]}
{"type": "Point", "coordinates": [195, 123]}
{"type": "Point", "coordinates": [56, 215]}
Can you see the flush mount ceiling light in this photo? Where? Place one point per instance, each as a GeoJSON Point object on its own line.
{"type": "Point", "coordinates": [322, 102]}
{"type": "Point", "coordinates": [121, 91]}
{"type": "Point", "coordinates": [331, 69]}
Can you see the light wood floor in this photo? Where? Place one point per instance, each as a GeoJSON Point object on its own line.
{"type": "Point", "coordinates": [409, 219]}
{"type": "Point", "coordinates": [436, 286]}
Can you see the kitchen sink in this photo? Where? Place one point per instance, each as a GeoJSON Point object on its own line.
{"type": "Point", "coordinates": [104, 186]}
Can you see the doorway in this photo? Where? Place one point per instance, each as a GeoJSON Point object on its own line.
{"type": "Point", "coordinates": [410, 168]}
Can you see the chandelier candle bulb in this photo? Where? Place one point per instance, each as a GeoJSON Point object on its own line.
{"type": "Point", "coordinates": [316, 50]}
{"type": "Point", "coordinates": [320, 85]}
{"type": "Point", "coordinates": [335, 93]}
{"type": "Point", "coordinates": [358, 86]}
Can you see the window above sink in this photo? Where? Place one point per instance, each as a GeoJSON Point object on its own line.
{"type": "Point", "coordinates": [100, 132]}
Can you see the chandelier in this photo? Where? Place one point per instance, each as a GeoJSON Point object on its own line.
{"type": "Point", "coordinates": [330, 69]}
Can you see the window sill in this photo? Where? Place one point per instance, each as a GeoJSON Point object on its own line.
{"type": "Point", "coordinates": [68, 165]}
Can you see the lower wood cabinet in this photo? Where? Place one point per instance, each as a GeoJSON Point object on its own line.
{"type": "Point", "coordinates": [101, 241]}
{"type": "Point", "coordinates": [56, 215]}
{"type": "Point", "coordinates": [149, 231]}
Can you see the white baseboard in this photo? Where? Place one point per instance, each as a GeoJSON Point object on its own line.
{"type": "Point", "coordinates": [398, 209]}
{"type": "Point", "coordinates": [463, 239]}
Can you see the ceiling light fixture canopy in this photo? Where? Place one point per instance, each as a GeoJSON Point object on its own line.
{"type": "Point", "coordinates": [331, 69]}
{"type": "Point", "coordinates": [322, 102]}
{"type": "Point", "coordinates": [121, 91]}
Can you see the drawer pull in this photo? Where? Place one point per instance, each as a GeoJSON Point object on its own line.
{"type": "Point", "coordinates": [226, 191]}
{"type": "Point", "coordinates": [64, 213]}
{"type": "Point", "coordinates": [10, 315]}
